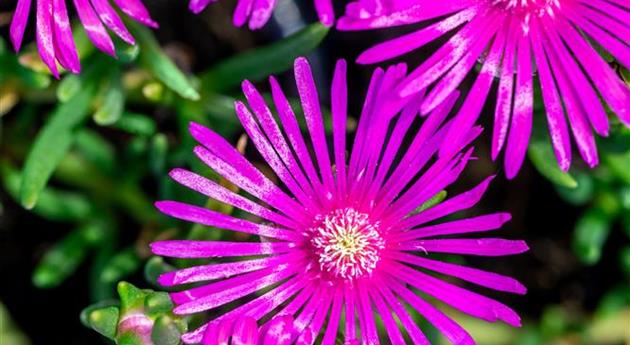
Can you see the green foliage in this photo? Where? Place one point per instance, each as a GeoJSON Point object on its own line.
{"type": "Point", "coordinates": [277, 57]}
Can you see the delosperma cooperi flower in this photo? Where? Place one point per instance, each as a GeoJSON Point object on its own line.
{"type": "Point", "coordinates": [343, 236]}
{"type": "Point", "coordinates": [515, 40]}
{"type": "Point", "coordinates": [54, 35]}
{"type": "Point", "coordinates": [257, 12]}
{"type": "Point", "coordinates": [245, 331]}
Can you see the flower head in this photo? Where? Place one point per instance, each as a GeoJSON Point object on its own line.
{"type": "Point", "coordinates": [245, 331]}
{"type": "Point", "coordinates": [343, 238]}
{"type": "Point", "coordinates": [515, 40]}
{"type": "Point", "coordinates": [54, 35]}
{"type": "Point", "coordinates": [258, 12]}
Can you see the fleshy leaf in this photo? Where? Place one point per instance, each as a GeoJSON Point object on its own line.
{"type": "Point", "coordinates": [155, 60]}
{"type": "Point", "coordinates": [277, 57]}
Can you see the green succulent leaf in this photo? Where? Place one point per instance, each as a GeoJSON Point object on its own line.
{"type": "Point", "coordinates": [591, 232]}
{"type": "Point", "coordinates": [155, 60]}
{"type": "Point", "coordinates": [262, 62]}
{"type": "Point", "coordinates": [102, 317]}
{"type": "Point", "coordinates": [64, 257]}
{"type": "Point", "coordinates": [541, 155]}
{"type": "Point", "coordinates": [55, 139]}
{"type": "Point", "coordinates": [112, 105]}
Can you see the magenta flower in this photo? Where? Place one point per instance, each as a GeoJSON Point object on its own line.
{"type": "Point", "coordinates": [54, 35]}
{"type": "Point", "coordinates": [258, 12]}
{"type": "Point", "coordinates": [245, 331]}
{"type": "Point", "coordinates": [507, 35]}
{"type": "Point", "coordinates": [343, 238]}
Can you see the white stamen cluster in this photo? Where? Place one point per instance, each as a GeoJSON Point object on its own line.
{"type": "Point", "coordinates": [347, 243]}
{"type": "Point", "coordinates": [528, 9]}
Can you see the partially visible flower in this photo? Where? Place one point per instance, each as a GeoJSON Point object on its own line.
{"type": "Point", "coordinates": [245, 331]}
{"type": "Point", "coordinates": [515, 40]}
{"type": "Point", "coordinates": [344, 237]}
{"type": "Point", "coordinates": [258, 12]}
{"type": "Point", "coordinates": [54, 34]}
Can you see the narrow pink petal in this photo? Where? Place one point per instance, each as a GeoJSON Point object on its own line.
{"type": "Point", "coordinates": [409, 42]}
{"type": "Point", "coordinates": [350, 331]}
{"type": "Point", "coordinates": [482, 246]}
{"type": "Point", "coordinates": [453, 78]}
{"type": "Point", "coordinates": [395, 337]}
{"type": "Point", "coordinates": [608, 8]}
{"type": "Point", "coordinates": [292, 129]}
{"type": "Point", "coordinates": [136, 10]}
{"type": "Point", "coordinates": [204, 216]}
{"type": "Point", "coordinates": [215, 191]}
{"type": "Point", "coordinates": [460, 202]}
{"type": "Point", "coordinates": [463, 226]}
{"type": "Point", "coordinates": [479, 28]}
{"type": "Point", "coordinates": [434, 180]}
{"type": "Point", "coordinates": [473, 105]}
{"type": "Point", "coordinates": [110, 17]}
{"type": "Point", "coordinates": [333, 321]}
{"type": "Point", "coordinates": [361, 132]}
{"type": "Point", "coordinates": [218, 270]}
{"type": "Point", "coordinates": [449, 328]}
{"type": "Point", "coordinates": [310, 334]}
{"type": "Point", "coordinates": [206, 291]}
{"type": "Point", "coordinates": [298, 302]}
{"type": "Point", "coordinates": [231, 164]}
{"type": "Point", "coordinates": [272, 131]}
{"type": "Point", "coordinates": [242, 11]}
{"type": "Point", "coordinates": [216, 334]}
{"type": "Point", "coordinates": [320, 299]}
{"type": "Point", "coordinates": [325, 12]}
{"type": "Point", "coordinates": [588, 98]}
{"type": "Point", "coordinates": [466, 301]}
{"type": "Point", "coordinates": [65, 50]}
{"type": "Point", "coordinates": [409, 324]}
{"type": "Point", "coordinates": [577, 118]}
{"type": "Point", "coordinates": [521, 126]}
{"type": "Point", "coordinates": [603, 21]}
{"type": "Point", "coordinates": [608, 83]}
{"type": "Point", "coordinates": [18, 23]}
{"type": "Point", "coordinates": [616, 48]}
{"type": "Point", "coordinates": [313, 116]}
{"type": "Point", "coordinates": [44, 35]}
{"type": "Point", "coordinates": [245, 332]}
{"type": "Point", "coordinates": [266, 150]}
{"type": "Point", "coordinates": [279, 331]}
{"type": "Point", "coordinates": [210, 249]}
{"type": "Point", "coordinates": [395, 140]}
{"type": "Point", "coordinates": [231, 293]}
{"type": "Point", "coordinates": [261, 12]}
{"type": "Point", "coordinates": [369, 333]}
{"type": "Point", "coordinates": [339, 108]}
{"type": "Point", "coordinates": [196, 6]}
{"type": "Point", "coordinates": [358, 17]}
{"type": "Point", "coordinates": [94, 28]}
{"type": "Point", "coordinates": [255, 308]}
{"type": "Point", "coordinates": [503, 109]}
{"type": "Point", "coordinates": [558, 129]}
{"type": "Point", "coordinates": [483, 278]}
{"type": "Point", "coordinates": [424, 145]}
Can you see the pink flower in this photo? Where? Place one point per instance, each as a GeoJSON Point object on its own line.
{"type": "Point", "coordinates": [258, 12]}
{"type": "Point", "coordinates": [54, 35]}
{"type": "Point", "coordinates": [245, 331]}
{"type": "Point", "coordinates": [515, 40]}
{"type": "Point", "coordinates": [343, 236]}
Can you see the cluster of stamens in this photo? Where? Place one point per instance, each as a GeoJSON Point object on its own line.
{"type": "Point", "coordinates": [347, 243]}
{"type": "Point", "coordinates": [528, 9]}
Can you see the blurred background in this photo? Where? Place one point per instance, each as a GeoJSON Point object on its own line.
{"type": "Point", "coordinates": [83, 158]}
